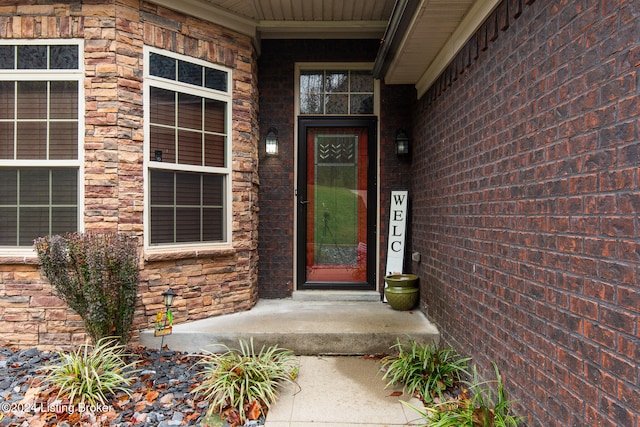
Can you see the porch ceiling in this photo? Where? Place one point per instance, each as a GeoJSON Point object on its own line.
{"type": "Point", "coordinates": [419, 37]}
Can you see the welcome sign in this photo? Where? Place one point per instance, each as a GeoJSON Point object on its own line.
{"type": "Point", "coordinates": [397, 231]}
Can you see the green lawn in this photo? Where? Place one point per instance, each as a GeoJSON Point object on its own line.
{"type": "Point", "coordinates": [336, 216]}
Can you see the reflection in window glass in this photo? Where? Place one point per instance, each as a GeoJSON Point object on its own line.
{"type": "Point", "coordinates": [162, 66]}
{"type": "Point", "coordinates": [361, 104]}
{"type": "Point", "coordinates": [7, 57]}
{"type": "Point", "coordinates": [311, 82]}
{"type": "Point", "coordinates": [32, 57]}
{"type": "Point", "coordinates": [64, 57]}
{"type": "Point", "coordinates": [341, 92]}
{"type": "Point", "coordinates": [337, 81]}
{"type": "Point", "coordinates": [361, 81]}
{"type": "Point", "coordinates": [40, 57]}
{"type": "Point", "coordinates": [215, 79]}
{"type": "Point", "coordinates": [337, 104]}
{"type": "Point", "coordinates": [187, 72]}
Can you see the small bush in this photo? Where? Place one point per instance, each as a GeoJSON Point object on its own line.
{"type": "Point", "coordinates": [97, 276]}
{"type": "Point", "coordinates": [89, 374]}
{"type": "Point", "coordinates": [486, 407]}
{"type": "Point", "coordinates": [424, 369]}
{"type": "Point", "coordinates": [243, 381]}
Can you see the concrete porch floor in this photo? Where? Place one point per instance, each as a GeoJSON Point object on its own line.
{"type": "Point", "coordinates": [307, 327]}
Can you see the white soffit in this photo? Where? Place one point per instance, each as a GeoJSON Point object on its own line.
{"type": "Point", "coordinates": [278, 19]}
{"type": "Point", "coordinates": [437, 32]}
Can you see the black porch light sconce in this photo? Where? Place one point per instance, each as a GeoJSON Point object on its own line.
{"type": "Point", "coordinates": [271, 142]}
{"type": "Point", "coordinates": [402, 143]}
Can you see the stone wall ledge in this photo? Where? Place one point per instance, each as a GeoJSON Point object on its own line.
{"type": "Point", "coordinates": [18, 260]}
{"type": "Point", "coordinates": [169, 256]}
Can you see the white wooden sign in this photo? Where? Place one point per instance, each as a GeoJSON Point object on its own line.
{"type": "Point", "coordinates": [397, 231]}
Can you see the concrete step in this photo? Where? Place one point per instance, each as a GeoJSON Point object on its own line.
{"type": "Point", "coordinates": [306, 327]}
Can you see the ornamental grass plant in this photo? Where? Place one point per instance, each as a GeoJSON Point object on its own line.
{"type": "Point", "coordinates": [485, 406]}
{"type": "Point", "coordinates": [242, 384]}
{"type": "Point", "coordinates": [424, 369]}
{"type": "Point", "coordinates": [90, 374]}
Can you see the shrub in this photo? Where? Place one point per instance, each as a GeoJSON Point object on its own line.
{"type": "Point", "coordinates": [424, 369]}
{"type": "Point", "coordinates": [487, 407]}
{"type": "Point", "coordinates": [97, 276]}
{"type": "Point", "coordinates": [87, 375]}
{"type": "Point", "coordinates": [243, 380]}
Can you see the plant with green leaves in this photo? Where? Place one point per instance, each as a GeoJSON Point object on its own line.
{"type": "Point", "coordinates": [488, 406]}
{"type": "Point", "coordinates": [242, 379]}
{"type": "Point", "coordinates": [424, 369]}
{"type": "Point", "coordinates": [88, 375]}
{"type": "Point", "coordinates": [97, 276]}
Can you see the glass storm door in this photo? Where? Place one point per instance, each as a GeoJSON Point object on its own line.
{"type": "Point", "coordinates": [336, 204]}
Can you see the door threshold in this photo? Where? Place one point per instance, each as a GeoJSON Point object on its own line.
{"type": "Point", "coordinates": [331, 295]}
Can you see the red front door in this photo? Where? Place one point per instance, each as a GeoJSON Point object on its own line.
{"type": "Point", "coordinates": [335, 229]}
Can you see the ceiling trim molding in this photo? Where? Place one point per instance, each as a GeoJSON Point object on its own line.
{"type": "Point", "coordinates": [322, 29]}
{"type": "Point", "coordinates": [474, 18]}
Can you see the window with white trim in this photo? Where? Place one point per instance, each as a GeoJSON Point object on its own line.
{"type": "Point", "coordinates": [40, 139]}
{"type": "Point", "coordinates": [188, 105]}
{"type": "Point", "coordinates": [336, 92]}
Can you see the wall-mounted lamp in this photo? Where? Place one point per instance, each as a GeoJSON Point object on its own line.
{"type": "Point", "coordinates": [271, 142]}
{"type": "Point", "coordinates": [157, 155]}
{"type": "Point", "coordinates": [402, 143]}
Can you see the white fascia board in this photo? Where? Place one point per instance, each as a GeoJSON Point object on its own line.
{"type": "Point", "coordinates": [206, 11]}
{"type": "Point", "coordinates": [474, 18]}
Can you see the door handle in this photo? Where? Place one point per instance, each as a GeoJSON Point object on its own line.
{"type": "Point", "coordinates": [304, 202]}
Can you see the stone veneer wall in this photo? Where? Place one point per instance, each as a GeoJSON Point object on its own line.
{"type": "Point", "coordinates": [114, 32]}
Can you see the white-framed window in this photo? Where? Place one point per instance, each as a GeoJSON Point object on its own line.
{"type": "Point", "coordinates": [335, 89]}
{"type": "Point", "coordinates": [41, 133]}
{"type": "Point", "coordinates": [187, 151]}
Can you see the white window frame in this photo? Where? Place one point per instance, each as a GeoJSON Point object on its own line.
{"type": "Point", "coordinates": [335, 66]}
{"type": "Point", "coordinates": [148, 164]}
{"type": "Point", "coordinates": [50, 75]}
{"type": "Point", "coordinates": [331, 66]}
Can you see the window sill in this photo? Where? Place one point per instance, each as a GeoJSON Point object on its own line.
{"type": "Point", "coordinates": [19, 258]}
{"type": "Point", "coordinates": [151, 255]}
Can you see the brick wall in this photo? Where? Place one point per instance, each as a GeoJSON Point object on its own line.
{"type": "Point", "coordinates": [207, 282]}
{"type": "Point", "coordinates": [277, 185]}
{"type": "Point", "coordinates": [397, 103]}
{"type": "Point", "coordinates": [525, 175]}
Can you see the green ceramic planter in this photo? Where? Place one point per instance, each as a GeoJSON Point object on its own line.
{"type": "Point", "coordinates": [401, 280]}
{"type": "Point", "coordinates": [402, 299]}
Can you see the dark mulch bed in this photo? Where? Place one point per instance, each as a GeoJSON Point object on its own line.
{"type": "Point", "coordinates": [160, 394]}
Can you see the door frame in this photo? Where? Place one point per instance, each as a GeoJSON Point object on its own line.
{"type": "Point", "coordinates": [371, 124]}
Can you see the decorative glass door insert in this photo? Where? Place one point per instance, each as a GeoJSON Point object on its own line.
{"type": "Point", "coordinates": [333, 203]}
